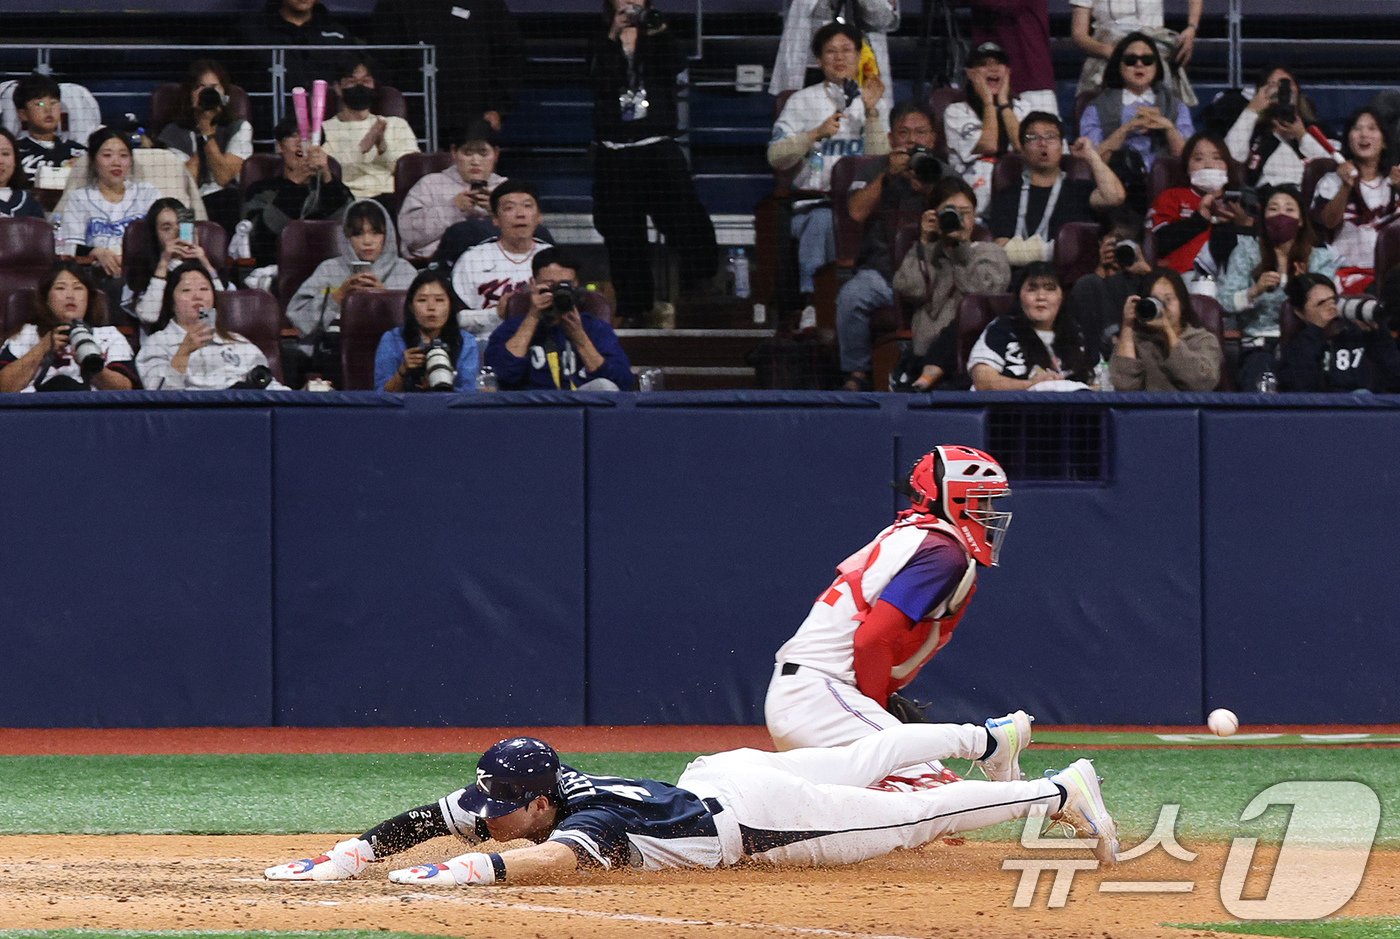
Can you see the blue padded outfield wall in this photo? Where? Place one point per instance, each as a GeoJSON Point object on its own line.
{"type": "Point", "coordinates": [537, 559]}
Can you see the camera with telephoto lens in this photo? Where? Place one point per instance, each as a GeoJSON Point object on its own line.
{"type": "Point", "coordinates": [1125, 253]}
{"type": "Point", "coordinates": [438, 373]}
{"type": "Point", "coordinates": [258, 378]}
{"type": "Point", "coordinates": [643, 17]}
{"type": "Point", "coordinates": [1285, 109]}
{"type": "Point", "coordinates": [85, 349]}
{"type": "Point", "coordinates": [1148, 309]}
{"type": "Point", "coordinates": [1361, 309]}
{"type": "Point", "coordinates": [926, 167]}
{"type": "Point", "coordinates": [564, 297]}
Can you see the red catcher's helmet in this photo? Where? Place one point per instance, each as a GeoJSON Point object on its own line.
{"type": "Point", "coordinates": [961, 485]}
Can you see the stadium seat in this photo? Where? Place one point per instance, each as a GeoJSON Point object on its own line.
{"type": "Point", "coordinates": [166, 106]}
{"type": "Point", "coordinates": [1313, 171]}
{"type": "Point", "coordinates": [938, 102]}
{"type": "Point", "coordinates": [848, 231]}
{"type": "Point", "coordinates": [593, 303]}
{"type": "Point", "coordinates": [18, 310]}
{"type": "Point", "coordinates": [974, 314]}
{"type": "Point", "coordinates": [413, 167]}
{"type": "Point", "coordinates": [1387, 250]}
{"type": "Point", "coordinates": [262, 166]}
{"type": "Point", "coordinates": [1076, 251]}
{"type": "Point", "coordinates": [164, 169]}
{"type": "Point", "coordinates": [303, 245]}
{"type": "Point", "coordinates": [1167, 173]}
{"type": "Point", "coordinates": [1010, 167]}
{"type": "Point", "coordinates": [81, 113]}
{"type": "Point", "coordinates": [1212, 317]}
{"type": "Point", "coordinates": [137, 260]}
{"type": "Point", "coordinates": [26, 252]}
{"type": "Point", "coordinates": [255, 316]}
{"type": "Point", "coordinates": [388, 102]}
{"type": "Point", "coordinates": [365, 317]}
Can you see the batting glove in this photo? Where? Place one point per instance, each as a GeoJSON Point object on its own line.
{"type": "Point", "coordinates": [466, 869]}
{"type": "Point", "coordinates": [342, 862]}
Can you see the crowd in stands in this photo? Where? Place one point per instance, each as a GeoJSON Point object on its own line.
{"type": "Point", "coordinates": [1020, 248]}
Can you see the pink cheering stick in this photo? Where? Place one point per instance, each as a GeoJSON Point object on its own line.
{"type": "Point", "coordinates": [318, 107]}
{"type": "Point", "coordinates": [299, 105]}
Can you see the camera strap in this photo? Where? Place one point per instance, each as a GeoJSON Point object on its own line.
{"type": "Point", "coordinates": [1043, 230]}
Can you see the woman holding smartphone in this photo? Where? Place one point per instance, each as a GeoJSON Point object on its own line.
{"type": "Point", "coordinates": [170, 241]}
{"type": "Point", "coordinates": [190, 352]}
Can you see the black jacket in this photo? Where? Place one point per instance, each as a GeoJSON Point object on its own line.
{"type": "Point", "coordinates": [267, 28]}
{"type": "Point", "coordinates": [1343, 357]}
{"type": "Point", "coordinates": [480, 56]}
{"type": "Point", "coordinates": [656, 63]}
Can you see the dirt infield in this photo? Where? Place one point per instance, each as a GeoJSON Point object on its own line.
{"type": "Point", "coordinates": [188, 882]}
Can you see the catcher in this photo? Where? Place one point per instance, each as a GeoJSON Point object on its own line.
{"type": "Point", "coordinates": [893, 605]}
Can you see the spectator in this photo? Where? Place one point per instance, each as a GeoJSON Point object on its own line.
{"type": "Point", "coordinates": [16, 201]}
{"type": "Point", "coordinates": [97, 215]}
{"type": "Point", "coordinates": [296, 23]}
{"type": "Point", "coordinates": [549, 347]}
{"type": "Point", "coordinates": [818, 126]}
{"type": "Point", "coordinates": [869, 20]}
{"type": "Point", "coordinates": [1197, 226]}
{"type": "Point", "coordinates": [1259, 269]}
{"type": "Point", "coordinates": [1034, 344]}
{"type": "Point", "coordinates": [1358, 198]}
{"type": "Point", "coordinates": [477, 79]}
{"type": "Point", "coordinates": [1170, 351]}
{"type": "Point", "coordinates": [1026, 220]}
{"type": "Point", "coordinates": [460, 193]}
{"type": "Point", "coordinates": [429, 314]}
{"type": "Point", "coordinates": [40, 358]}
{"type": "Point", "coordinates": [1330, 353]}
{"type": "Point", "coordinates": [367, 145]}
{"type": "Point", "coordinates": [164, 250]}
{"type": "Point", "coordinates": [1135, 119]}
{"type": "Point", "coordinates": [988, 124]}
{"type": "Point", "coordinates": [1114, 19]}
{"type": "Point", "coordinates": [215, 142]}
{"type": "Point", "coordinates": [942, 268]}
{"type": "Point", "coordinates": [882, 195]}
{"type": "Point", "coordinates": [1097, 298]}
{"type": "Point", "coordinates": [47, 154]}
{"type": "Point", "coordinates": [1022, 29]}
{"type": "Point", "coordinates": [486, 274]}
{"type": "Point", "coordinates": [190, 351]}
{"type": "Point", "coordinates": [368, 260]}
{"type": "Point", "coordinates": [639, 170]}
{"type": "Point", "coordinates": [304, 189]}
{"type": "Point", "coordinates": [1273, 140]}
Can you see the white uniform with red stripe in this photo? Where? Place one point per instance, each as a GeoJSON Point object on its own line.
{"type": "Point", "coordinates": [818, 704]}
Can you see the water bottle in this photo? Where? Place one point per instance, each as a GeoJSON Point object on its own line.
{"type": "Point", "coordinates": [1102, 381]}
{"type": "Point", "coordinates": [739, 259]}
{"type": "Point", "coordinates": [1268, 383]}
{"type": "Point", "coordinates": [241, 245]}
{"type": "Point", "coordinates": [486, 379]}
{"type": "Point", "coordinates": [814, 167]}
{"type": "Point", "coordinates": [651, 379]}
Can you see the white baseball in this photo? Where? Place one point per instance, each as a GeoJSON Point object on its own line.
{"type": "Point", "coordinates": [1223, 722]}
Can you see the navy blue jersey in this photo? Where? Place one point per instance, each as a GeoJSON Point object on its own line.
{"type": "Point", "coordinates": [612, 821]}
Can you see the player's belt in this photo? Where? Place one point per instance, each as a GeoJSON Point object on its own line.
{"type": "Point", "coordinates": [790, 668]}
{"type": "Point", "coordinates": [713, 805]}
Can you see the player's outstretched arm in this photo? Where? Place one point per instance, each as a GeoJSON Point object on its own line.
{"type": "Point", "coordinates": [389, 837]}
{"type": "Point", "coordinates": [539, 863]}
{"type": "Point", "coordinates": [342, 862]}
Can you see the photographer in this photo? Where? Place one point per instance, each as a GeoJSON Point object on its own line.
{"type": "Point", "coordinates": [190, 351]}
{"type": "Point", "coordinates": [638, 168]}
{"type": "Point", "coordinates": [554, 345]}
{"type": "Point", "coordinates": [68, 346]}
{"type": "Point", "coordinates": [880, 196]}
{"type": "Point", "coordinates": [942, 268]}
{"type": "Point", "coordinates": [1097, 298]}
{"type": "Point", "coordinates": [1277, 132]}
{"type": "Point", "coordinates": [215, 142]}
{"type": "Point", "coordinates": [1161, 345]}
{"type": "Point", "coordinates": [429, 320]}
{"type": "Point", "coordinates": [1332, 352]}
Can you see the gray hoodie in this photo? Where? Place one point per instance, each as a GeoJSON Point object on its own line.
{"type": "Point", "coordinates": [313, 309]}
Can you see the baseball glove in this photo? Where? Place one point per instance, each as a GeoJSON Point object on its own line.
{"type": "Point", "coordinates": [908, 710]}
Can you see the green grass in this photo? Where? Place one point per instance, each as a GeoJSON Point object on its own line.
{"type": "Point", "coordinates": [286, 794]}
{"type": "Point", "coordinates": [204, 934]}
{"type": "Point", "coordinates": [1344, 928]}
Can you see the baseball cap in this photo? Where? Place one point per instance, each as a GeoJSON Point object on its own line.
{"type": "Point", "coordinates": [989, 50]}
{"type": "Point", "coordinates": [511, 775]}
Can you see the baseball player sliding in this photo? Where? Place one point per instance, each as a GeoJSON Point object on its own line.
{"type": "Point", "coordinates": [807, 807]}
{"type": "Point", "coordinates": [893, 605]}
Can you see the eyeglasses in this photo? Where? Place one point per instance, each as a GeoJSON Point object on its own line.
{"type": "Point", "coordinates": [1131, 59]}
{"type": "Point", "coordinates": [1042, 138]}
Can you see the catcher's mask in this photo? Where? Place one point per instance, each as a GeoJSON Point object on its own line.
{"type": "Point", "coordinates": [511, 775]}
{"type": "Point", "coordinates": [961, 485]}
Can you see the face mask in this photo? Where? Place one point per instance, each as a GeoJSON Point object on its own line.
{"type": "Point", "coordinates": [1209, 179]}
{"type": "Point", "coordinates": [1281, 228]}
{"type": "Point", "coordinates": [358, 97]}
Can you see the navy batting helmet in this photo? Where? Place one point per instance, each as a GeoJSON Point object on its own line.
{"type": "Point", "coordinates": [511, 775]}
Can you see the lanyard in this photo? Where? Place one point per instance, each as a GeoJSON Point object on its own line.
{"type": "Point", "coordinates": [1044, 228]}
